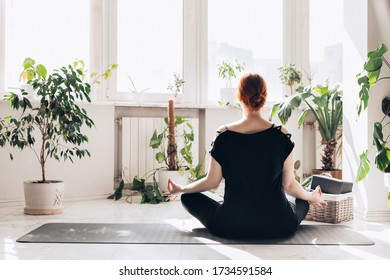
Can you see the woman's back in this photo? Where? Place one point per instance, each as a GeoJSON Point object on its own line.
{"type": "Point", "coordinates": [252, 166]}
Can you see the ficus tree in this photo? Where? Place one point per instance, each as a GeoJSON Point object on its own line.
{"type": "Point", "coordinates": [52, 126]}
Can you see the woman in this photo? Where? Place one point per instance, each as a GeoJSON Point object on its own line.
{"type": "Point", "coordinates": [255, 158]}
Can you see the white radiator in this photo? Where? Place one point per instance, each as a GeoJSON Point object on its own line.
{"type": "Point", "coordinates": [137, 157]}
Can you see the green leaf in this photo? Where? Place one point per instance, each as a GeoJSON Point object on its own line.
{"type": "Point", "coordinates": [286, 108]}
{"type": "Point", "coordinates": [302, 117]}
{"type": "Point", "coordinates": [373, 64]}
{"type": "Point", "coordinates": [272, 113]}
{"type": "Point", "coordinates": [179, 120]}
{"type": "Point", "coordinates": [138, 184]}
{"type": "Point", "coordinates": [30, 75]}
{"type": "Point", "coordinates": [41, 70]}
{"type": "Point", "coordinates": [373, 77]}
{"type": "Point", "coordinates": [28, 63]}
{"type": "Point", "coordinates": [378, 131]}
{"type": "Point", "coordinates": [364, 166]}
{"type": "Point", "coordinates": [160, 157]}
{"type": "Point", "coordinates": [155, 141]}
{"type": "Point", "coordinates": [382, 159]}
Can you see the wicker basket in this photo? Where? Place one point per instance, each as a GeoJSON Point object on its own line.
{"type": "Point", "coordinates": [339, 209]}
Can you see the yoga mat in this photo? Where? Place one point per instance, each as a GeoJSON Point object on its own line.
{"type": "Point", "coordinates": [160, 233]}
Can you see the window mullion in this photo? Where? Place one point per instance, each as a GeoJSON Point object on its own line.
{"type": "Point", "coordinates": [2, 47]}
{"type": "Point", "coordinates": [296, 33]}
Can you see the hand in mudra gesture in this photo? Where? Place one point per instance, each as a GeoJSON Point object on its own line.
{"type": "Point", "coordinates": [316, 198]}
{"type": "Point", "coordinates": [174, 190]}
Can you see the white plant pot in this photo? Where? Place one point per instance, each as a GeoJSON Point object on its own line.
{"type": "Point", "coordinates": [229, 95]}
{"type": "Point", "coordinates": [387, 180]}
{"type": "Point", "coordinates": [180, 177]}
{"type": "Point", "coordinates": [138, 97]}
{"type": "Point", "coordinates": [43, 198]}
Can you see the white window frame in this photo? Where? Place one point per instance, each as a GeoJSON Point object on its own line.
{"type": "Point", "coordinates": [195, 39]}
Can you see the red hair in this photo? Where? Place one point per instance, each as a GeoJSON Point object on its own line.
{"type": "Point", "coordinates": [252, 91]}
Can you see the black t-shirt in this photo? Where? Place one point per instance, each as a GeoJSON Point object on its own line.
{"type": "Point", "coordinates": [254, 200]}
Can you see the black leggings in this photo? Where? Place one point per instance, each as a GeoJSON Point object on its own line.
{"type": "Point", "coordinates": [203, 207]}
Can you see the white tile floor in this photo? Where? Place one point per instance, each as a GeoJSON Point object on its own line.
{"type": "Point", "coordinates": [14, 224]}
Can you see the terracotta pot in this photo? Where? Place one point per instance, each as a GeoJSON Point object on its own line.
{"type": "Point", "coordinates": [43, 198]}
{"type": "Point", "coordinates": [337, 173]}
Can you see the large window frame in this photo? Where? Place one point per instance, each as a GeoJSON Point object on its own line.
{"type": "Point", "coordinates": [195, 40]}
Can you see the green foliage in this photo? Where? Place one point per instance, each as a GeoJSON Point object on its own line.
{"type": "Point", "coordinates": [289, 75]}
{"type": "Point", "coordinates": [327, 107]}
{"type": "Point", "coordinates": [228, 70]}
{"type": "Point", "coordinates": [370, 75]}
{"type": "Point", "coordinates": [118, 192]}
{"type": "Point", "coordinates": [96, 77]}
{"type": "Point", "coordinates": [367, 79]}
{"type": "Point", "coordinates": [177, 84]}
{"type": "Point", "coordinates": [150, 193]}
{"type": "Point", "coordinates": [56, 116]}
{"type": "Point", "coordinates": [325, 103]}
{"type": "Point", "coordinates": [158, 141]}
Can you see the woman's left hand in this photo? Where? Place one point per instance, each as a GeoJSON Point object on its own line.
{"type": "Point", "coordinates": [316, 198]}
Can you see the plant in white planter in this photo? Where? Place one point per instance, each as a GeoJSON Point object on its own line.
{"type": "Point", "coordinates": [367, 79]}
{"type": "Point", "coordinates": [289, 75]}
{"type": "Point", "coordinates": [228, 70]}
{"type": "Point", "coordinates": [178, 161]}
{"type": "Point", "coordinates": [50, 127]}
{"type": "Point", "coordinates": [176, 87]}
{"type": "Point", "coordinates": [138, 94]}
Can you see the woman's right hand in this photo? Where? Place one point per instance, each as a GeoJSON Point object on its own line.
{"type": "Point", "coordinates": [173, 190]}
{"type": "Point", "coordinates": [316, 198]}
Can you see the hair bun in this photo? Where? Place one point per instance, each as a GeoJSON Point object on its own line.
{"type": "Point", "coordinates": [252, 91]}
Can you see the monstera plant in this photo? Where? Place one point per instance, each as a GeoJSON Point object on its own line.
{"type": "Point", "coordinates": [369, 77]}
{"type": "Point", "coordinates": [326, 104]}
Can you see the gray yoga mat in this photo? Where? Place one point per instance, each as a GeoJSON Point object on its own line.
{"type": "Point", "coordinates": [160, 233]}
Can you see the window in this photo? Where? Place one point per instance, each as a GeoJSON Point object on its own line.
{"type": "Point", "coordinates": [250, 31]}
{"type": "Point", "coordinates": [326, 41]}
{"type": "Point", "coordinates": [53, 33]}
{"type": "Point", "coordinates": [149, 44]}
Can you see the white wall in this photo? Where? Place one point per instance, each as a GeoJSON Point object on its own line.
{"type": "Point", "coordinates": [85, 178]}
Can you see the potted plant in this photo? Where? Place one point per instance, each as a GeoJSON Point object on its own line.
{"type": "Point", "coordinates": [228, 70]}
{"type": "Point", "coordinates": [326, 105]}
{"type": "Point", "coordinates": [176, 87]}
{"type": "Point", "coordinates": [367, 79]}
{"type": "Point", "coordinates": [50, 127]}
{"type": "Point", "coordinates": [289, 75]}
{"type": "Point", "coordinates": [177, 161]}
{"type": "Point", "coordinates": [138, 94]}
